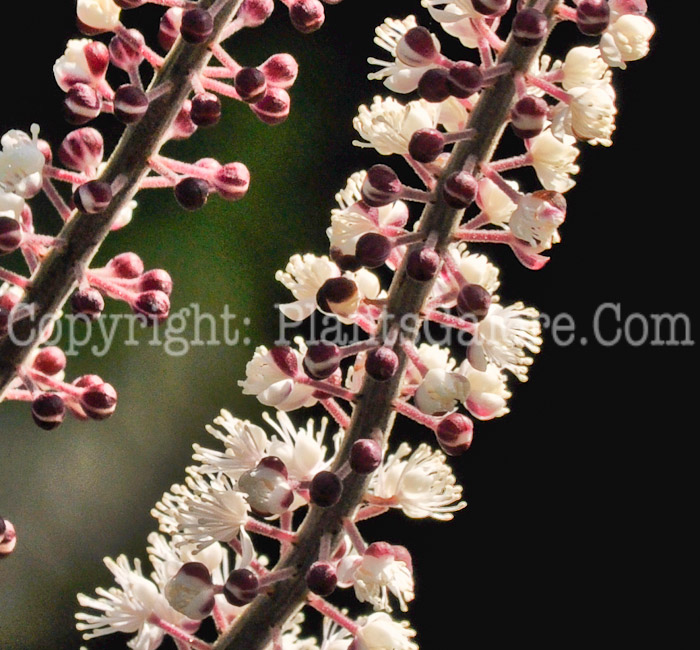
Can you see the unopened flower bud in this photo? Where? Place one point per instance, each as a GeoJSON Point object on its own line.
{"type": "Point", "coordinates": [280, 70]}
{"type": "Point", "coordinates": [423, 264]}
{"type": "Point", "coordinates": [273, 108]}
{"type": "Point", "coordinates": [454, 434]}
{"type": "Point", "coordinates": [82, 150]}
{"type": "Point", "coordinates": [338, 296]}
{"type": "Point", "coordinates": [321, 578]}
{"type": "Point", "coordinates": [528, 115]}
{"type": "Point", "coordinates": [99, 401]}
{"type": "Point", "coordinates": [373, 249]}
{"type": "Point", "coordinates": [126, 265]}
{"type": "Point", "coordinates": [50, 361]}
{"type": "Point", "coordinates": [285, 359]}
{"type": "Point", "coordinates": [156, 280]}
{"type": "Point", "coordinates": [491, 7]}
{"type": "Point", "coordinates": [417, 47]}
{"type": "Point", "coordinates": [231, 181]}
{"type": "Point", "coordinates": [93, 197]}
{"type": "Point", "coordinates": [169, 28]}
{"type": "Point", "coordinates": [8, 537]}
{"type": "Point", "coordinates": [197, 25]}
{"type": "Point", "coordinates": [381, 363]}
{"type": "Point", "coordinates": [10, 235]}
{"type": "Point", "coordinates": [321, 360]}
{"type": "Point", "coordinates": [254, 13]}
{"type": "Point", "coordinates": [464, 79]}
{"type": "Point", "coordinates": [473, 302]}
{"type": "Point", "coordinates": [365, 456]}
{"type": "Point", "coordinates": [266, 488]}
{"type": "Point", "coordinates": [130, 104]}
{"type": "Point", "coordinates": [87, 302]}
{"type": "Point", "coordinates": [434, 86]}
{"type": "Point", "coordinates": [250, 84]}
{"type": "Point", "coordinates": [191, 192]}
{"type": "Point", "coordinates": [325, 489]}
{"type": "Point", "coordinates": [426, 145]}
{"type": "Point", "coordinates": [206, 109]}
{"type": "Point", "coordinates": [123, 54]}
{"type": "Point", "coordinates": [592, 16]}
{"type": "Point", "coordinates": [183, 126]}
{"type": "Point", "coordinates": [82, 103]}
{"type": "Point", "coordinates": [48, 410]}
{"type": "Point", "coordinates": [529, 27]}
{"type": "Point", "coordinates": [306, 16]}
{"type": "Point", "coordinates": [381, 186]}
{"type": "Point", "coordinates": [241, 587]}
{"type": "Point", "coordinates": [460, 189]}
{"type": "Point", "coordinates": [154, 305]}
{"type": "Point", "coordinates": [190, 591]}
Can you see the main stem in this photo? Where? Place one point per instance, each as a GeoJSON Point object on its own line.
{"type": "Point", "coordinates": [374, 406]}
{"type": "Point", "coordinates": [83, 234]}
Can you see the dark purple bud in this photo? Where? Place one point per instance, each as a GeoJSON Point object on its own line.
{"type": "Point", "coordinates": [126, 265]}
{"type": "Point", "coordinates": [154, 305]}
{"type": "Point", "coordinates": [82, 150]}
{"type": "Point", "coordinates": [426, 145]}
{"type": "Point", "coordinates": [321, 579]}
{"type": "Point", "coordinates": [87, 302]}
{"type": "Point", "coordinates": [473, 302]}
{"type": "Point", "coordinates": [93, 197]}
{"type": "Point", "coordinates": [231, 181]}
{"type": "Point", "coordinates": [454, 434]}
{"type": "Point", "coordinates": [381, 363]}
{"type": "Point", "coordinates": [197, 25]}
{"type": "Point", "coordinates": [123, 54]}
{"type": "Point", "coordinates": [325, 489]}
{"type": "Point", "coordinates": [434, 85]}
{"type": "Point", "coordinates": [365, 456]}
{"type": "Point", "coordinates": [306, 16]}
{"type": "Point", "coordinates": [82, 103]}
{"type": "Point", "coordinates": [464, 79]}
{"type": "Point", "coordinates": [321, 360]}
{"type": "Point", "coordinates": [99, 401]}
{"type": "Point", "coordinates": [338, 296]}
{"type": "Point", "coordinates": [529, 27]}
{"type": "Point", "coordinates": [373, 249]}
{"type": "Point", "coordinates": [50, 361]}
{"type": "Point", "coordinates": [423, 264]}
{"type": "Point", "coordinates": [10, 235]}
{"type": "Point", "coordinates": [491, 7]}
{"type": "Point", "coordinates": [592, 17]}
{"type": "Point", "coordinates": [460, 189]}
{"type": "Point", "coordinates": [192, 193]}
{"type": "Point", "coordinates": [381, 186]}
{"type": "Point", "coordinates": [285, 359]}
{"type": "Point", "coordinates": [241, 587]}
{"type": "Point", "coordinates": [527, 116]}
{"type": "Point", "coordinates": [156, 280]}
{"type": "Point", "coordinates": [169, 28]}
{"type": "Point", "coordinates": [206, 109]}
{"type": "Point", "coordinates": [273, 108]}
{"type": "Point", "coordinates": [130, 104]}
{"type": "Point", "coordinates": [417, 47]}
{"type": "Point", "coordinates": [48, 411]}
{"type": "Point", "coordinates": [250, 84]}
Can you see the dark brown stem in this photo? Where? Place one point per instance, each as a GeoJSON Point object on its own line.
{"type": "Point", "coordinates": [373, 409]}
{"type": "Point", "coordinates": [83, 235]}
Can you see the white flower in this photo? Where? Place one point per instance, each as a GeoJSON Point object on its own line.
{"type": "Point", "coordinates": [422, 485]}
{"type": "Point", "coordinates": [553, 160]}
{"type": "Point", "coordinates": [589, 116]}
{"type": "Point", "coordinates": [456, 19]}
{"type": "Point", "coordinates": [335, 637]}
{"type": "Point", "coordinates": [440, 391]}
{"type": "Point", "coordinates": [11, 205]}
{"type": "Point", "coordinates": [72, 66]}
{"type": "Point", "coordinates": [536, 219]}
{"type": "Point", "coordinates": [626, 39]}
{"type": "Point", "coordinates": [98, 14]}
{"type": "Point", "coordinates": [21, 163]}
{"type": "Point", "coordinates": [502, 336]}
{"type": "Point", "coordinates": [475, 268]}
{"type": "Point", "coordinates": [380, 632]}
{"type": "Point", "coordinates": [488, 395]}
{"type": "Point", "coordinates": [583, 66]}
{"type": "Point", "coordinates": [494, 202]}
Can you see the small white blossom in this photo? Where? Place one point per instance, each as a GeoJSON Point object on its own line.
{"type": "Point", "coordinates": [494, 202]}
{"type": "Point", "coordinates": [536, 220]}
{"type": "Point", "coordinates": [583, 66]}
{"type": "Point", "coordinates": [21, 163]}
{"type": "Point", "coordinates": [440, 391]}
{"type": "Point", "coordinates": [380, 632]}
{"type": "Point", "coordinates": [475, 268]}
{"type": "Point", "coordinates": [456, 19]}
{"type": "Point", "coordinates": [72, 66]}
{"type": "Point", "coordinates": [590, 115]}
{"type": "Point", "coordinates": [488, 395]}
{"type": "Point", "coordinates": [11, 205]}
{"type": "Point", "coordinates": [626, 39]}
{"type": "Point", "coordinates": [98, 14]}
{"type": "Point", "coordinates": [554, 160]}
{"type": "Point", "coordinates": [335, 637]}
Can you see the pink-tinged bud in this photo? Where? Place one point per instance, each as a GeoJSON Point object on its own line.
{"type": "Point", "coordinates": [154, 305]}
{"type": "Point", "coordinates": [321, 579]}
{"type": "Point", "coordinates": [250, 84]}
{"type": "Point", "coordinates": [81, 104]}
{"type": "Point", "coordinates": [99, 401]}
{"type": "Point", "coordinates": [254, 13]}
{"type": "Point", "coordinates": [197, 25]}
{"type": "Point", "coordinates": [123, 54]}
{"type": "Point", "coordinates": [339, 296]}
{"type": "Point", "coordinates": [423, 264]}
{"type": "Point", "coordinates": [365, 456]}
{"type": "Point", "coordinates": [156, 280]}
{"type": "Point", "coordinates": [285, 359]}
{"type": "Point", "coordinates": [241, 587]}
{"type": "Point", "coordinates": [206, 109]}
{"type": "Point", "coordinates": [10, 235]}
{"type": "Point", "coordinates": [464, 79]}
{"type": "Point", "coordinates": [592, 17]}
{"type": "Point", "coordinates": [93, 197]}
{"type": "Point", "coordinates": [528, 115]}
{"type": "Point", "coordinates": [473, 302]}
{"type": "Point", "coordinates": [266, 487]}
{"type": "Point", "coordinates": [8, 537]}
{"type": "Point", "coordinates": [82, 150]}
{"type": "Point", "coordinates": [191, 591]}
{"type": "Point", "coordinates": [192, 193]}
{"type": "Point", "coordinates": [97, 59]}
{"type": "Point", "coordinates": [634, 7]}
{"type": "Point", "coordinates": [85, 381]}
{"type": "Point", "coordinates": [231, 181]}
{"type": "Point", "coordinates": [87, 302]}
{"type": "Point", "coordinates": [306, 16]}
{"type": "Point", "coordinates": [273, 108]}
{"type": "Point", "coordinates": [381, 186]}
{"type": "Point", "coordinates": [402, 554]}
{"type": "Point", "coordinates": [529, 27]}
{"type": "Point", "coordinates": [48, 411]}
{"type": "Point", "coordinates": [491, 7]}
{"type": "Point", "coordinates": [454, 434]}
{"type": "Point", "coordinates": [50, 361]}
{"type": "Point", "coordinates": [280, 70]}
{"type": "Point", "coordinates": [434, 86]}
{"type": "Point", "coordinates": [169, 28]}
{"type": "Point", "coordinates": [325, 489]}
{"type": "Point", "coordinates": [426, 145]}
{"type": "Point", "coordinates": [126, 266]}
{"type": "Point", "coordinates": [417, 47]}
{"type": "Point", "coordinates": [373, 249]}
{"type": "Point", "coordinates": [45, 149]}
{"type": "Point", "coordinates": [381, 363]}
{"type": "Point", "coordinates": [460, 189]}
{"type": "Point", "coordinates": [321, 360]}
{"type": "Point", "coordinates": [129, 4]}
{"type": "Point", "coordinates": [183, 126]}
{"type": "Point", "coordinates": [130, 104]}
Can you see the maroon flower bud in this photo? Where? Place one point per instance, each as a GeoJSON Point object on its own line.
{"type": "Point", "coordinates": [325, 489]}
{"type": "Point", "coordinates": [381, 186]}
{"type": "Point", "coordinates": [130, 104]}
{"type": "Point", "coordinates": [434, 85]}
{"type": "Point", "coordinates": [93, 197]}
{"type": "Point", "coordinates": [97, 58]}
{"type": "Point", "coordinates": [338, 296]}
{"type": "Point", "coordinates": [417, 47]}
{"type": "Point", "coordinates": [231, 181]}
{"type": "Point", "coordinates": [426, 145]}
{"type": "Point", "coordinates": [197, 25]}
{"type": "Point", "coordinates": [473, 302]}
{"type": "Point", "coordinates": [250, 84]}
{"type": "Point", "coordinates": [373, 249]}
{"type": "Point", "coordinates": [460, 189]}
{"type": "Point", "coordinates": [592, 17]}
{"type": "Point", "coordinates": [129, 4]}
{"type": "Point", "coordinates": [48, 410]}
{"type": "Point", "coordinates": [280, 70]}
{"type": "Point", "coordinates": [123, 54]}
{"type": "Point", "coordinates": [365, 456]}
{"type": "Point", "coordinates": [306, 16]}
{"type": "Point", "coordinates": [99, 401]}
{"type": "Point", "coordinates": [529, 27]}
{"type": "Point", "coordinates": [454, 434]}
{"type": "Point", "coordinates": [154, 305]}
{"type": "Point", "coordinates": [169, 28]}
{"type": "Point", "coordinates": [206, 109]}
{"type": "Point", "coordinates": [321, 579]}
{"type": "Point", "coordinates": [321, 360]}
{"type": "Point", "coordinates": [192, 193]}
{"type": "Point", "coordinates": [82, 150]}
{"type": "Point", "coordinates": [87, 302]}
{"type": "Point", "coordinates": [491, 7]}
{"type": "Point", "coordinates": [126, 265]}
{"type": "Point", "coordinates": [241, 587]}
{"type": "Point", "coordinates": [82, 103]}
{"type": "Point", "coordinates": [183, 126]}
{"type": "Point", "coordinates": [465, 79]}
{"type": "Point", "coordinates": [255, 12]}
{"type": "Point", "coordinates": [85, 381]}
{"type": "Point", "coordinates": [8, 537]}
{"type": "Point", "coordinates": [10, 235]}
{"type": "Point", "coordinates": [156, 280]}
{"type": "Point", "coordinates": [285, 360]}
{"type": "Point", "coordinates": [273, 108]}
{"type": "Point", "coordinates": [423, 264]}
{"type": "Point", "coordinates": [50, 361]}
{"type": "Point", "coordinates": [191, 591]}
{"type": "Point", "coordinates": [381, 363]}
{"type": "Point", "coordinates": [528, 115]}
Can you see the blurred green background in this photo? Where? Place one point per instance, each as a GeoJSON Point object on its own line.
{"type": "Point", "coordinates": [554, 488]}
